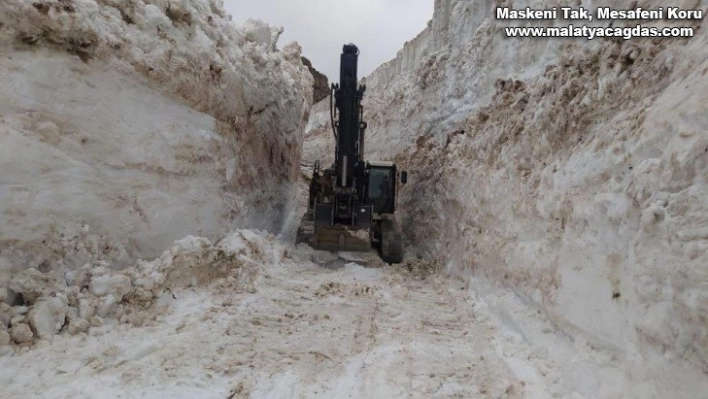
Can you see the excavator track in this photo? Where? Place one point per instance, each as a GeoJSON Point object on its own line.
{"type": "Point", "coordinates": [391, 242]}
{"type": "Point", "coordinates": [306, 230]}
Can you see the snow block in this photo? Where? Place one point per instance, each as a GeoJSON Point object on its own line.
{"type": "Point", "coordinates": [87, 307]}
{"type": "Point", "coordinates": [107, 307]}
{"type": "Point", "coordinates": [32, 284]}
{"type": "Point", "coordinates": [79, 277]}
{"type": "Point", "coordinates": [117, 285]}
{"type": "Point", "coordinates": [21, 333]}
{"type": "Point", "coordinates": [5, 314]}
{"type": "Point", "coordinates": [4, 337]}
{"type": "Point", "coordinates": [77, 326]}
{"type": "Point", "coordinates": [48, 316]}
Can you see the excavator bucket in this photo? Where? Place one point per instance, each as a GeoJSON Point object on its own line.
{"type": "Point", "coordinates": [341, 238]}
{"type": "Point", "coordinates": [317, 230]}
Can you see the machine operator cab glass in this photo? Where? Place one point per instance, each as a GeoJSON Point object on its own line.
{"type": "Point", "coordinates": [380, 191]}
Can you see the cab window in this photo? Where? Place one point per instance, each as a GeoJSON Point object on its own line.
{"type": "Point", "coordinates": [380, 190]}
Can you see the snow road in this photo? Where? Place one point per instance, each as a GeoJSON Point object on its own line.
{"type": "Point", "coordinates": [312, 325]}
{"type": "Point", "coordinates": [308, 331]}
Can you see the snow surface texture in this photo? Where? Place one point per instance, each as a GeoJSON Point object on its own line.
{"type": "Point", "coordinates": [125, 125]}
{"type": "Point", "coordinates": [249, 316]}
{"type": "Point", "coordinates": [571, 172]}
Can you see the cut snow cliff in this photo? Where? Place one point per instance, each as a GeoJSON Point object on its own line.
{"type": "Point", "coordinates": [125, 125]}
{"type": "Point", "coordinates": [572, 172]}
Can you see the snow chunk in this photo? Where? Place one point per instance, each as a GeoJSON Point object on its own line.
{"type": "Point", "coordinates": [79, 277]}
{"type": "Point", "coordinates": [87, 307]}
{"type": "Point", "coordinates": [96, 321]}
{"type": "Point", "coordinates": [4, 337]}
{"type": "Point", "coordinates": [18, 311]}
{"type": "Point", "coordinates": [117, 285]}
{"type": "Point", "coordinates": [154, 19]}
{"type": "Point", "coordinates": [32, 284]}
{"type": "Point", "coordinates": [145, 286]}
{"type": "Point", "coordinates": [17, 319]}
{"type": "Point", "coordinates": [257, 31]}
{"type": "Point", "coordinates": [179, 10]}
{"type": "Point", "coordinates": [5, 315]}
{"type": "Point", "coordinates": [107, 307]}
{"type": "Point", "coordinates": [21, 333]}
{"type": "Point", "coordinates": [77, 326]}
{"type": "Point", "coordinates": [48, 316]}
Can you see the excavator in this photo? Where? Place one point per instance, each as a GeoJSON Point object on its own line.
{"type": "Point", "coordinates": [351, 205]}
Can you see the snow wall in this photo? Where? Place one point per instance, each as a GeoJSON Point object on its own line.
{"type": "Point", "coordinates": [573, 172]}
{"type": "Point", "coordinates": [128, 124]}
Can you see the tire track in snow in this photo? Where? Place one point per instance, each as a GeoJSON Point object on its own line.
{"type": "Point", "coordinates": [307, 332]}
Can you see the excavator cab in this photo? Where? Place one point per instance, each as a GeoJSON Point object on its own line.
{"type": "Point", "coordinates": [381, 187]}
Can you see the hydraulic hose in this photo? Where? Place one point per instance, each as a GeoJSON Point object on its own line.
{"type": "Point", "coordinates": [331, 111]}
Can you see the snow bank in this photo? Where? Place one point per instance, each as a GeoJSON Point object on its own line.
{"type": "Point", "coordinates": [319, 137]}
{"type": "Point", "coordinates": [94, 298]}
{"type": "Point", "coordinates": [125, 125]}
{"type": "Point", "coordinates": [571, 172]}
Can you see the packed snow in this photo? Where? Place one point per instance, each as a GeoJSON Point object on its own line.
{"type": "Point", "coordinates": [251, 316]}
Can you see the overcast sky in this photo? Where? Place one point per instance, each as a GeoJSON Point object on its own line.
{"type": "Point", "coordinates": [378, 27]}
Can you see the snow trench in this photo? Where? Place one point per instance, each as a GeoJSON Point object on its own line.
{"type": "Point", "coordinates": [559, 184]}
